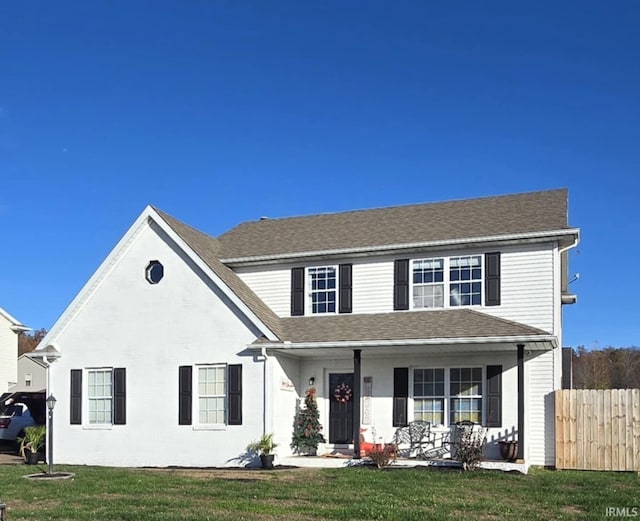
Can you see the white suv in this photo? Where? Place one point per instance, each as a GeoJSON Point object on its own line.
{"type": "Point", "coordinates": [14, 419]}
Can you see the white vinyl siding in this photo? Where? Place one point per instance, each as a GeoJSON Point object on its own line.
{"type": "Point", "coordinates": [540, 426]}
{"type": "Point", "coordinates": [527, 284]}
{"type": "Point", "coordinates": [8, 355]}
{"type": "Point", "coordinates": [527, 287]}
{"type": "Point", "coordinates": [272, 285]}
{"type": "Point", "coordinates": [373, 286]}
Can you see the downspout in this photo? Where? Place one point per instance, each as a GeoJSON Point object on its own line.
{"type": "Point", "coordinates": [265, 402]}
{"type": "Point", "coordinates": [572, 245]}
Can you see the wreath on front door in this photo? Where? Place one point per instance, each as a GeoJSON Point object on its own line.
{"type": "Point", "coordinates": [342, 393]}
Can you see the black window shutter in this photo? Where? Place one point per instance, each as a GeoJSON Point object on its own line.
{"type": "Point", "coordinates": [400, 396]}
{"type": "Point", "coordinates": [401, 285]}
{"type": "Point", "coordinates": [297, 292]}
{"type": "Point", "coordinates": [492, 279]}
{"type": "Point", "coordinates": [345, 288]}
{"type": "Point", "coordinates": [76, 397]}
{"type": "Point", "coordinates": [184, 394]}
{"type": "Point", "coordinates": [235, 394]}
{"type": "Point", "coordinates": [119, 396]}
{"type": "Point", "coordinates": [494, 396]}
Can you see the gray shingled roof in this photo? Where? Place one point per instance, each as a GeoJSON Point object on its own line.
{"type": "Point", "coordinates": [409, 325]}
{"type": "Point", "coordinates": [470, 218]}
{"type": "Point", "coordinates": [474, 218]}
{"type": "Point", "coordinates": [208, 249]}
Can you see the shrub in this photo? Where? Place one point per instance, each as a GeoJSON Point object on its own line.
{"type": "Point", "coordinates": [470, 447]}
{"type": "Point", "coordinates": [383, 455]}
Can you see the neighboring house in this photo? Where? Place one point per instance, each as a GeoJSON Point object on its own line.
{"type": "Point", "coordinates": [9, 329]}
{"type": "Point", "coordinates": [182, 348]}
{"type": "Point", "coordinates": [31, 386]}
{"type": "Point", "coordinates": [32, 375]}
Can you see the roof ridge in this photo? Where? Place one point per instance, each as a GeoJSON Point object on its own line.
{"type": "Point", "coordinates": [466, 200]}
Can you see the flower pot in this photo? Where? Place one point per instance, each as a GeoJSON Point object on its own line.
{"type": "Point", "coordinates": [508, 450]}
{"type": "Point", "coordinates": [32, 458]}
{"type": "Point", "coordinates": [267, 461]}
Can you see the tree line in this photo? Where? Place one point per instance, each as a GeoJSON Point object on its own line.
{"type": "Point", "coordinates": [607, 368]}
{"type": "Point", "coordinates": [29, 340]}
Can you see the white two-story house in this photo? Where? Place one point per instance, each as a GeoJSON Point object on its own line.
{"type": "Point", "coordinates": [182, 347]}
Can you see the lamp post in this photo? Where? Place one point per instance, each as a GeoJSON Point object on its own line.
{"type": "Point", "coordinates": [51, 403]}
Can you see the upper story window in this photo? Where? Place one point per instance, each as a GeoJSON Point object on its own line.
{"type": "Point", "coordinates": [458, 277]}
{"type": "Point", "coordinates": [465, 276]}
{"type": "Point", "coordinates": [428, 283]}
{"type": "Point", "coordinates": [321, 290]}
{"type": "Point", "coordinates": [322, 286]}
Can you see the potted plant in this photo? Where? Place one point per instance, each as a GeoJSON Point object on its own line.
{"type": "Point", "coordinates": [264, 447]}
{"type": "Point", "coordinates": [508, 449]}
{"type": "Point", "coordinates": [32, 444]}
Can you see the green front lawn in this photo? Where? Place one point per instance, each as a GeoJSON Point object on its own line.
{"type": "Point", "coordinates": [313, 494]}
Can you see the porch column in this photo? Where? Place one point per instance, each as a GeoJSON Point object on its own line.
{"type": "Point", "coordinates": [520, 455]}
{"type": "Point", "coordinates": [356, 404]}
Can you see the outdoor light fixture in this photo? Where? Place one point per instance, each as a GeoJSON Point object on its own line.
{"type": "Point", "coordinates": [312, 380]}
{"type": "Point", "coordinates": [51, 403]}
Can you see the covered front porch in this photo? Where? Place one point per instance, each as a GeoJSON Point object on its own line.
{"type": "Point", "coordinates": [367, 391]}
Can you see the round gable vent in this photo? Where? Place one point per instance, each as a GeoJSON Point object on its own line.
{"type": "Point", "coordinates": [154, 272]}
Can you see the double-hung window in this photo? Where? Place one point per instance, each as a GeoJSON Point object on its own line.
{"type": "Point", "coordinates": [212, 394]}
{"type": "Point", "coordinates": [100, 396]}
{"type": "Point", "coordinates": [428, 283]}
{"type": "Point", "coordinates": [465, 390]}
{"type": "Point", "coordinates": [465, 276]}
{"type": "Point", "coordinates": [428, 395]}
{"type": "Point", "coordinates": [323, 289]}
{"type": "Point", "coordinates": [447, 281]}
{"type": "Point", "coordinates": [442, 396]}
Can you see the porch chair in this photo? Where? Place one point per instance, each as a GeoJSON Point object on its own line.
{"type": "Point", "coordinates": [414, 438]}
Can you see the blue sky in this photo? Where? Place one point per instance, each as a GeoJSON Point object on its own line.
{"type": "Point", "coordinates": [219, 112]}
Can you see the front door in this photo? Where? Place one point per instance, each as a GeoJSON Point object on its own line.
{"type": "Point", "coordinates": [341, 408]}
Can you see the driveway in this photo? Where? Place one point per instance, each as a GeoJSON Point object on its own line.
{"type": "Point", "coordinates": [8, 454]}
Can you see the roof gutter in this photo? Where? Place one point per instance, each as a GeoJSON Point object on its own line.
{"type": "Point", "coordinates": [406, 342]}
{"type": "Point", "coordinates": [389, 248]}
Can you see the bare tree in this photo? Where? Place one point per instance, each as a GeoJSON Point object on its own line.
{"type": "Point", "coordinates": [27, 342]}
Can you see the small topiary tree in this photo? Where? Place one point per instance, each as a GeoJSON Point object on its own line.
{"type": "Point", "coordinates": [307, 431]}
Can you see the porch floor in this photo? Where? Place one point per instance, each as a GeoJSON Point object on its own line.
{"type": "Point", "coordinates": [328, 461]}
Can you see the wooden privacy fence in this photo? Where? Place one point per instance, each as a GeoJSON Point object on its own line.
{"type": "Point", "coordinates": [598, 429]}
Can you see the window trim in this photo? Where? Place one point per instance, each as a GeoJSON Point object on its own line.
{"type": "Point", "coordinates": [309, 292]}
{"type": "Point", "coordinates": [447, 392]}
{"type": "Point", "coordinates": [88, 399]}
{"type": "Point", "coordinates": [446, 282]}
{"type": "Point", "coordinates": [195, 405]}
